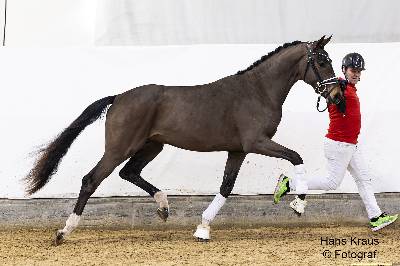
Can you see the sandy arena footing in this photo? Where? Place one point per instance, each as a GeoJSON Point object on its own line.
{"type": "Point", "coordinates": [234, 246]}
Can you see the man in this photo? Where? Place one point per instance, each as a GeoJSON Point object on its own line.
{"type": "Point", "coordinates": [341, 151]}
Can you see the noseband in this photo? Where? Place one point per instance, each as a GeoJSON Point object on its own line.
{"type": "Point", "coordinates": [322, 85]}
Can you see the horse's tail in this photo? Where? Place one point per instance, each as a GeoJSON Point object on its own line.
{"type": "Point", "coordinates": [50, 156]}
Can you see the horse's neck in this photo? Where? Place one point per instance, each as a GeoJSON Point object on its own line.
{"type": "Point", "coordinates": [276, 77]}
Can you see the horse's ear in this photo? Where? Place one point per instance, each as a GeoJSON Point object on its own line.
{"type": "Point", "coordinates": [326, 41]}
{"type": "Point", "coordinates": [322, 42]}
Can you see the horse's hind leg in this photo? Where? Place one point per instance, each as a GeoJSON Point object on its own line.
{"type": "Point", "coordinates": [132, 169]}
{"type": "Point", "coordinates": [90, 182]}
{"type": "Point", "coordinates": [232, 167]}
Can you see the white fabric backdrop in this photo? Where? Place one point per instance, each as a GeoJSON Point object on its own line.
{"type": "Point", "coordinates": [155, 22]}
{"type": "Point", "coordinates": [43, 90]}
{"type": "Point", "coordinates": [49, 23]}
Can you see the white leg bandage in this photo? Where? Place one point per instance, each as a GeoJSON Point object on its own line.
{"type": "Point", "coordinates": [212, 210]}
{"type": "Point", "coordinates": [299, 181]}
{"type": "Point", "coordinates": [161, 199]}
{"type": "Point", "coordinates": [71, 223]}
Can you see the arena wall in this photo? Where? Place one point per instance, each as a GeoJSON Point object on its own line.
{"type": "Point", "coordinates": [62, 55]}
{"type": "Point", "coordinates": [44, 89]}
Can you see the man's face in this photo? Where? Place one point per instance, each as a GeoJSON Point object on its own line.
{"type": "Point", "coordinates": [352, 74]}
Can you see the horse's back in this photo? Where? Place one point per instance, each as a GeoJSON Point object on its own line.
{"type": "Point", "coordinates": [191, 117]}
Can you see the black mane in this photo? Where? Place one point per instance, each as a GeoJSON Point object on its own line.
{"type": "Point", "coordinates": [265, 57]}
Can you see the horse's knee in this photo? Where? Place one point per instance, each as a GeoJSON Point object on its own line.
{"type": "Point", "coordinates": [296, 158]}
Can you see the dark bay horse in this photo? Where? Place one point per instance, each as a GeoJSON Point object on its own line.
{"type": "Point", "coordinates": [238, 114]}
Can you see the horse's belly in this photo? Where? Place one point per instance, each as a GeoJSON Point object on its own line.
{"type": "Point", "coordinates": [204, 143]}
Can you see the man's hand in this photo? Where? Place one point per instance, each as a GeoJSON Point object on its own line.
{"type": "Point", "coordinates": [343, 84]}
{"type": "Point", "coordinates": [342, 104]}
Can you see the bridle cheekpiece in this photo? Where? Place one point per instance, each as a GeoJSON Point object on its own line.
{"type": "Point", "coordinates": [322, 85]}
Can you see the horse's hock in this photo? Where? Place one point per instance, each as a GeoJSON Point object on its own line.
{"type": "Point", "coordinates": [185, 211]}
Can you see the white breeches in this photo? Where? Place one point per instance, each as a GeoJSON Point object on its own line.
{"type": "Point", "coordinates": [343, 156]}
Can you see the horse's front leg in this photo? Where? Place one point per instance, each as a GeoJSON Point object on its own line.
{"type": "Point", "coordinates": [298, 183]}
{"type": "Point", "coordinates": [232, 167]}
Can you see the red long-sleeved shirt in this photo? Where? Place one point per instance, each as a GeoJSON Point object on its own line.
{"type": "Point", "coordinates": [346, 127]}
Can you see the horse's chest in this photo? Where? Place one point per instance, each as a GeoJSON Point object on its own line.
{"type": "Point", "coordinates": [269, 123]}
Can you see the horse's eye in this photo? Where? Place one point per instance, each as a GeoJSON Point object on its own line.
{"type": "Point", "coordinates": [323, 60]}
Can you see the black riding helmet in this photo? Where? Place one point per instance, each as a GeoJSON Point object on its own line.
{"type": "Point", "coordinates": [354, 60]}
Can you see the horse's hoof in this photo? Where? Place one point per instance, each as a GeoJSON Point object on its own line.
{"type": "Point", "coordinates": [163, 213]}
{"type": "Point", "coordinates": [202, 240]}
{"type": "Point", "coordinates": [297, 213]}
{"type": "Point", "coordinates": [202, 233]}
{"type": "Point", "coordinates": [59, 239]}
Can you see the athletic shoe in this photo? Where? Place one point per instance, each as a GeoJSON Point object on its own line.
{"type": "Point", "coordinates": [382, 221]}
{"type": "Point", "coordinates": [282, 188]}
{"type": "Point", "coordinates": [298, 205]}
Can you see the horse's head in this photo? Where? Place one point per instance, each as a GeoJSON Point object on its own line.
{"type": "Point", "coordinates": [318, 71]}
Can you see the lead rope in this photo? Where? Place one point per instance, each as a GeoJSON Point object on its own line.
{"type": "Point", "coordinates": [319, 99]}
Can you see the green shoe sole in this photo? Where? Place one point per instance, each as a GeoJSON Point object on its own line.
{"type": "Point", "coordinates": [281, 188]}
{"type": "Point", "coordinates": [379, 225]}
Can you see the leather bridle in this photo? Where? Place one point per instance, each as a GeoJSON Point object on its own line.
{"type": "Point", "coordinates": [322, 85]}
